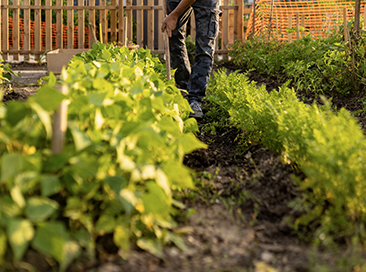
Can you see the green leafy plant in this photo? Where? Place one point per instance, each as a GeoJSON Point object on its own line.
{"type": "Point", "coordinates": [327, 146]}
{"type": "Point", "coordinates": [128, 131]}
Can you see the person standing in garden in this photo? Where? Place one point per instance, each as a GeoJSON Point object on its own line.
{"type": "Point", "coordinates": [193, 79]}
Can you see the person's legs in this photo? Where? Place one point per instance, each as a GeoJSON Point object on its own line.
{"type": "Point", "coordinates": [178, 52]}
{"type": "Point", "coordinates": [207, 27]}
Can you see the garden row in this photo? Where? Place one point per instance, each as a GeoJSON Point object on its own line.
{"type": "Point", "coordinates": [327, 146]}
{"type": "Point", "coordinates": [128, 131]}
{"type": "Point", "coordinates": [319, 65]}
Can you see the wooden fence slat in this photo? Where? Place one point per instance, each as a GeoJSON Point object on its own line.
{"type": "Point", "coordinates": [26, 35]}
{"type": "Point", "coordinates": [81, 25]}
{"type": "Point", "coordinates": [70, 25]}
{"type": "Point", "coordinates": [290, 26]}
{"type": "Point", "coordinates": [129, 25]}
{"type": "Point", "coordinates": [239, 22]}
{"type": "Point", "coordinates": [225, 26]}
{"type": "Point", "coordinates": [150, 26]}
{"type": "Point", "coordinates": [37, 29]}
{"type": "Point", "coordinates": [59, 26]}
{"type": "Point", "coordinates": [114, 22]}
{"type": "Point", "coordinates": [121, 14]}
{"type": "Point", "coordinates": [48, 26]}
{"type": "Point", "coordinates": [5, 29]}
{"type": "Point", "coordinates": [103, 22]}
{"type": "Point", "coordinates": [16, 31]}
{"type": "Point", "coordinates": [91, 20]}
{"type": "Point", "coordinates": [161, 17]}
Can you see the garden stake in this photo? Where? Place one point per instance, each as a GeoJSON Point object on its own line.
{"type": "Point", "coordinates": [60, 124]}
{"type": "Point", "coordinates": [166, 45]}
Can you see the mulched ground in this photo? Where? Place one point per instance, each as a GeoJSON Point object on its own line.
{"type": "Point", "coordinates": [241, 208]}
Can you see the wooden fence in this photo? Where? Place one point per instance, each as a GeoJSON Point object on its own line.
{"type": "Point", "coordinates": [32, 30]}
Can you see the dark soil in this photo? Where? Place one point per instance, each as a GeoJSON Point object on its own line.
{"type": "Point", "coordinates": [241, 207]}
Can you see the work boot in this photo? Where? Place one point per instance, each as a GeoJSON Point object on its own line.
{"type": "Point", "coordinates": [197, 112]}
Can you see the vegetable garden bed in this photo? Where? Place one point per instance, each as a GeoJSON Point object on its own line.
{"type": "Point", "coordinates": [238, 218]}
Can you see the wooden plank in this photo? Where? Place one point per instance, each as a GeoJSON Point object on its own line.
{"type": "Point", "coordinates": [16, 32]}
{"type": "Point", "coordinates": [5, 30]}
{"type": "Point", "coordinates": [57, 7]}
{"type": "Point", "coordinates": [91, 22]}
{"type": "Point", "coordinates": [129, 21]}
{"type": "Point", "coordinates": [59, 26]}
{"type": "Point", "coordinates": [345, 24]}
{"type": "Point", "coordinates": [121, 31]}
{"type": "Point", "coordinates": [225, 27]}
{"type": "Point", "coordinates": [37, 29]}
{"type": "Point", "coordinates": [70, 25]}
{"type": "Point", "coordinates": [48, 26]}
{"type": "Point", "coordinates": [103, 22]}
{"type": "Point", "coordinates": [26, 36]}
{"type": "Point", "coordinates": [231, 23]}
{"type": "Point", "coordinates": [161, 17]}
{"type": "Point", "coordinates": [81, 25]}
{"type": "Point", "coordinates": [239, 30]}
{"type": "Point", "coordinates": [113, 22]}
{"type": "Point", "coordinates": [290, 26]}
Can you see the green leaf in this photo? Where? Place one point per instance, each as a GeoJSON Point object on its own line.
{"type": "Point", "coordinates": [156, 201]}
{"type": "Point", "coordinates": [20, 233]}
{"type": "Point", "coordinates": [105, 224]}
{"type": "Point", "coordinates": [190, 143]}
{"type": "Point", "coordinates": [39, 209]}
{"type": "Point", "coordinates": [45, 118]}
{"type": "Point", "coordinates": [50, 184]}
{"type": "Point", "coordinates": [16, 111]}
{"type": "Point", "coordinates": [121, 238]}
{"type": "Point", "coordinates": [48, 98]}
{"type": "Point", "coordinates": [52, 239]}
{"type": "Point", "coordinates": [97, 99]}
{"type": "Point", "coordinates": [178, 174]}
{"type": "Point", "coordinates": [81, 140]}
{"type": "Point", "coordinates": [152, 246]}
{"type": "Point", "coordinates": [11, 165]}
{"type": "Point", "coordinates": [3, 246]}
{"type": "Point", "coordinates": [56, 162]}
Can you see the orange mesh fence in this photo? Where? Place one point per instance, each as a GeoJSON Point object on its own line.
{"type": "Point", "coordinates": [43, 35]}
{"type": "Point", "coordinates": [317, 18]}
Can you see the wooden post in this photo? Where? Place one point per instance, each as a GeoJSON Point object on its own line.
{"type": "Point", "coordinates": [59, 26]}
{"type": "Point", "coordinates": [166, 45]}
{"type": "Point", "coordinates": [125, 30]}
{"type": "Point", "coordinates": [297, 26]}
{"type": "Point", "coordinates": [303, 25]}
{"type": "Point", "coordinates": [345, 25]}
{"type": "Point", "coordinates": [70, 25]}
{"type": "Point", "coordinates": [290, 27]}
{"type": "Point", "coordinates": [121, 23]}
{"type": "Point", "coordinates": [81, 25]}
{"type": "Point", "coordinates": [150, 25]}
{"type": "Point", "coordinates": [26, 39]}
{"type": "Point", "coordinates": [60, 124]}
{"type": "Point", "coordinates": [92, 35]}
{"type": "Point", "coordinates": [103, 22]}
{"type": "Point", "coordinates": [140, 25]}
{"type": "Point", "coordinates": [37, 29]}
{"type": "Point", "coordinates": [129, 20]}
{"type": "Point", "coordinates": [240, 20]}
{"type": "Point", "coordinates": [277, 27]}
{"type": "Point", "coordinates": [114, 22]}
{"type": "Point", "coordinates": [161, 35]}
{"type": "Point", "coordinates": [225, 27]}
{"type": "Point", "coordinates": [357, 17]}
{"type": "Point", "coordinates": [16, 31]}
{"type": "Point", "coordinates": [270, 21]}
{"type": "Point", "coordinates": [253, 26]}
{"type": "Point", "coordinates": [48, 26]}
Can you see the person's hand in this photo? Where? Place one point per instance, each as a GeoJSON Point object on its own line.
{"type": "Point", "coordinates": [169, 23]}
